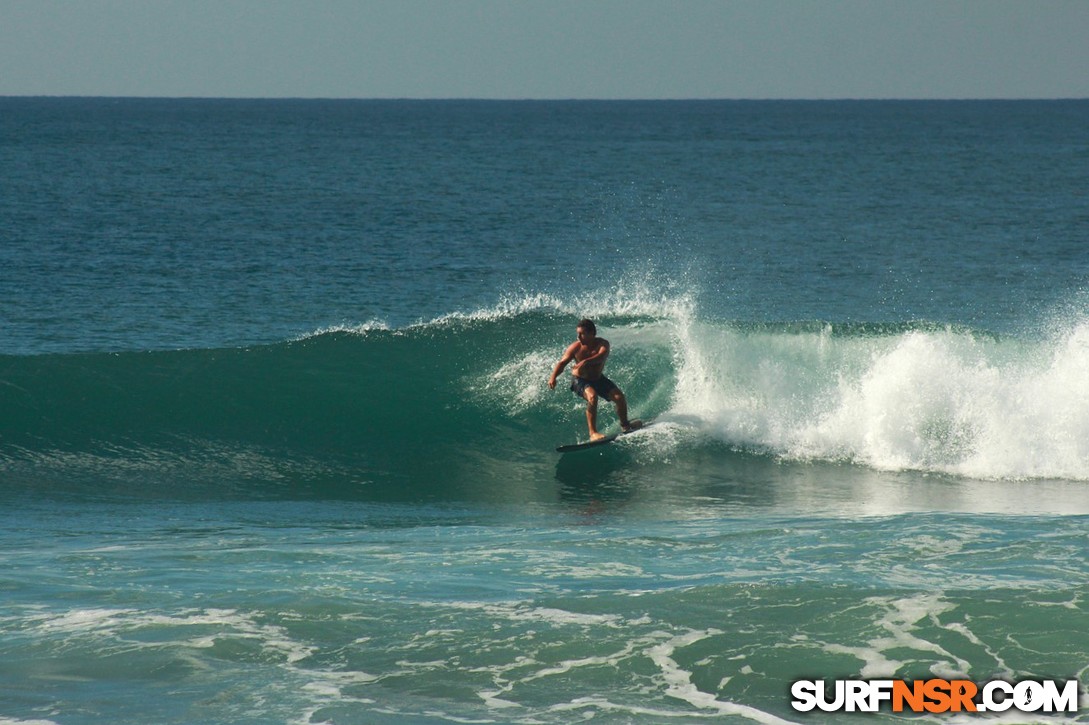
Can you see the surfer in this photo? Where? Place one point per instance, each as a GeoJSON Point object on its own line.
{"type": "Point", "coordinates": [589, 382]}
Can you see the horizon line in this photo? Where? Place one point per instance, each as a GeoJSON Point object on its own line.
{"type": "Point", "coordinates": [557, 99]}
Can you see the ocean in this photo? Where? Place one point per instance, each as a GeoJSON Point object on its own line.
{"type": "Point", "coordinates": [277, 445]}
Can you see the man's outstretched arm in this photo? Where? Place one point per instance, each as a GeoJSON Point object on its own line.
{"type": "Point", "coordinates": [568, 356]}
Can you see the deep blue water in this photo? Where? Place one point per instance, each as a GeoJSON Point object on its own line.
{"type": "Point", "coordinates": [137, 224]}
{"type": "Point", "coordinates": [276, 444]}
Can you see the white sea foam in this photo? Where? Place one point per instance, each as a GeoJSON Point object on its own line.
{"type": "Point", "coordinates": [120, 624]}
{"type": "Point", "coordinates": [639, 294]}
{"type": "Point", "coordinates": [679, 683]}
{"type": "Point", "coordinates": [598, 571]}
{"type": "Point", "coordinates": [899, 625]}
{"type": "Point", "coordinates": [933, 400]}
{"type": "Point", "coordinates": [358, 328]}
{"type": "Point", "coordinates": [634, 295]}
{"type": "Point", "coordinates": [521, 381]}
{"type": "Point", "coordinates": [516, 611]}
{"type": "Point", "coordinates": [85, 620]}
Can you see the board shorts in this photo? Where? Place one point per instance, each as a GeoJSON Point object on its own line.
{"type": "Point", "coordinates": [602, 385]}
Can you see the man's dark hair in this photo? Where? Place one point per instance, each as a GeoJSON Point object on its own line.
{"type": "Point", "coordinates": [588, 325]}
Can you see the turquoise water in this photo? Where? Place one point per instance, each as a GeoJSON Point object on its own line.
{"type": "Point", "coordinates": [276, 444]}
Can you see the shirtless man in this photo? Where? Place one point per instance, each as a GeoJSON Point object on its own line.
{"type": "Point", "coordinates": [589, 353]}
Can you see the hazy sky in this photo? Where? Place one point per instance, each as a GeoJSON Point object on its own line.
{"type": "Point", "coordinates": [546, 48]}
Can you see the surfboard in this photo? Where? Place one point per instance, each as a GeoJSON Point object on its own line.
{"type": "Point", "coordinates": [601, 441]}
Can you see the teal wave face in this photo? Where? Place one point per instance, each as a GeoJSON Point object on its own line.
{"type": "Point", "coordinates": [405, 411]}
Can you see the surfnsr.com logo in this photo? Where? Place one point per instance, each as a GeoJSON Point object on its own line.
{"type": "Point", "coordinates": [935, 696]}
